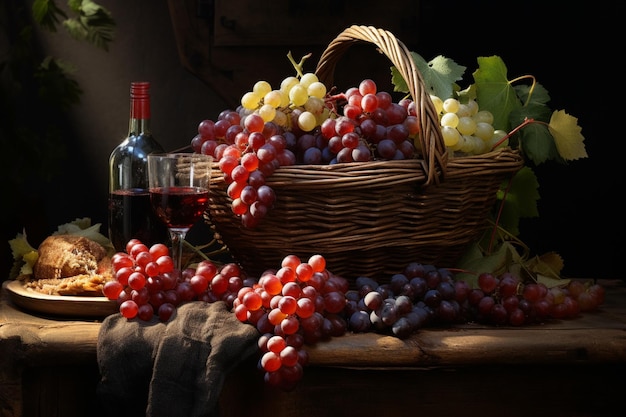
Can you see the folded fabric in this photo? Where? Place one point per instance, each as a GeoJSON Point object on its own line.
{"type": "Point", "coordinates": [170, 369]}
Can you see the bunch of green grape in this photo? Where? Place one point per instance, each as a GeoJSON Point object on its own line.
{"type": "Point", "coordinates": [299, 102]}
{"type": "Point", "coordinates": [466, 129]}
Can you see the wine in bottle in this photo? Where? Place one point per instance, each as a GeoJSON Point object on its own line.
{"type": "Point", "coordinates": [130, 212]}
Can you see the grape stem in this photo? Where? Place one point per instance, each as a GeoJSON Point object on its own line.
{"type": "Point", "coordinates": [527, 121]}
{"type": "Point", "coordinates": [532, 85]}
{"type": "Point", "coordinates": [199, 249]}
{"type": "Point", "coordinates": [492, 239]}
{"type": "Point", "coordinates": [331, 101]}
{"type": "Point", "coordinates": [300, 65]}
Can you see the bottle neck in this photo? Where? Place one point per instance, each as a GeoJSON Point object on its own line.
{"type": "Point", "coordinates": [139, 108]}
{"type": "Point", "coordinates": [137, 127]}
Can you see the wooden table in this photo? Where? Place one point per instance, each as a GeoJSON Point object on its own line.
{"type": "Point", "coordinates": [573, 368]}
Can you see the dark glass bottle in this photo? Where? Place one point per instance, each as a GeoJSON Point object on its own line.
{"type": "Point", "coordinates": [130, 213]}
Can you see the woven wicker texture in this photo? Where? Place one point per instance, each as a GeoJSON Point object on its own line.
{"type": "Point", "coordinates": [371, 218]}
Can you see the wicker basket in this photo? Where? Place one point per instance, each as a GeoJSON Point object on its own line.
{"type": "Point", "coordinates": [371, 218]}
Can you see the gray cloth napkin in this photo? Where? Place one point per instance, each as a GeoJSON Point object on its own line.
{"type": "Point", "coordinates": [170, 369]}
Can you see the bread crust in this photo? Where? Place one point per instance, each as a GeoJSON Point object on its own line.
{"type": "Point", "coordinates": [70, 265]}
{"type": "Point", "coordinates": [62, 256]}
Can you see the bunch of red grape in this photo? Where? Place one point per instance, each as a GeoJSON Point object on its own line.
{"type": "Point", "coordinates": [359, 125]}
{"type": "Point", "coordinates": [299, 304]}
{"type": "Point", "coordinates": [505, 299]}
{"type": "Point", "coordinates": [147, 284]}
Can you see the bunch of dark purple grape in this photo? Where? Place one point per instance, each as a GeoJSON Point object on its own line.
{"type": "Point", "coordinates": [424, 295]}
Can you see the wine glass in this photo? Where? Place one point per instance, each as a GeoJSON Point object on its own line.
{"type": "Point", "coordinates": [179, 193]}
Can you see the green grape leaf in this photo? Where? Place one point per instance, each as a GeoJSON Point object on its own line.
{"type": "Point", "coordinates": [567, 135]}
{"type": "Point", "coordinates": [537, 143]}
{"type": "Point", "coordinates": [525, 188]}
{"type": "Point", "coordinates": [552, 282]}
{"type": "Point", "coordinates": [57, 88]}
{"type": "Point", "coordinates": [474, 262]}
{"type": "Point", "coordinates": [399, 84]}
{"type": "Point", "coordinates": [20, 246]}
{"type": "Point", "coordinates": [24, 256]}
{"type": "Point", "coordinates": [533, 138]}
{"type": "Point", "coordinates": [538, 95]}
{"type": "Point", "coordinates": [94, 24]}
{"type": "Point", "coordinates": [520, 201]}
{"type": "Point", "coordinates": [47, 14]}
{"type": "Point", "coordinates": [439, 75]}
{"type": "Point", "coordinates": [510, 214]}
{"type": "Point", "coordinates": [532, 111]}
{"type": "Point", "coordinates": [548, 265]}
{"type": "Point", "coordinates": [494, 92]}
{"type": "Point", "coordinates": [467, 94]}
{"type": "Point", "coordinates": [546, 269]}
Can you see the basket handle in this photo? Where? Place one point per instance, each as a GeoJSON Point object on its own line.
{"type": "Point", "coordinates": [432, 145]}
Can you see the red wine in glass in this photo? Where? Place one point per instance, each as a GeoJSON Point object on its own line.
{"type": "Point", "coordinates": [179, 193]}
{"type": "Point", "coordinates": [179, 207]}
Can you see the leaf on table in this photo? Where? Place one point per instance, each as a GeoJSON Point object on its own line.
{"type": "Point", "coordinates": [552, 282]}
{"type": "Point", "coordinates": [544, 269]}
{"type": "Point", "coordinates": [30, 258]}
{"type": "Point", "coordinates": [24, 256]}
{"type": "Point", "coordinates": [474, 262]}
{"type": "Point", "coordinates": [567, 135]}
{"type": "Point", "coordinates": [494, 92]}
{"type": "Point", "coordinates": [439, 75]}
{"type": "Point", "coordinates": [549, 265]}
{"type": "Point", "coordinates": [20, 246]}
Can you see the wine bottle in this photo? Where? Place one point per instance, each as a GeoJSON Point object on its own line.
{"type": "Point", "coordinates": [130, 212]}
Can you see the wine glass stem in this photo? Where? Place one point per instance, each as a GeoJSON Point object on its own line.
{"type": "Point", "coordinates": [178, 238]}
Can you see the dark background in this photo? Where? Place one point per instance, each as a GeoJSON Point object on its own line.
{"type": "Point", "coordinates": [572, 48]}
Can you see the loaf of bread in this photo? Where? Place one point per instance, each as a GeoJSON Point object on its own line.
{"type": "Point", "coordinates": [70, 265]}
{"type": "Point", "coordinates": [62, 256]}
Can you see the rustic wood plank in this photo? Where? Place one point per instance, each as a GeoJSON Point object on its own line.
{"type": "Point", "coordinates": [491, 390]}
{"type": "Point", "coordinates": [472, 347]}
{"type": "Point", "coordinates": [38, 340]}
